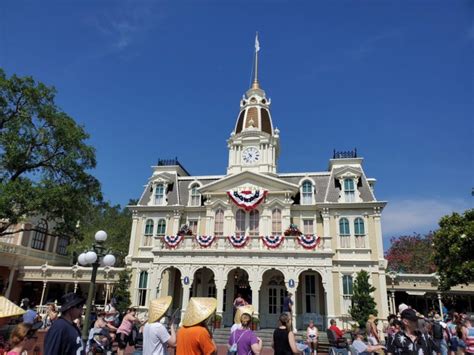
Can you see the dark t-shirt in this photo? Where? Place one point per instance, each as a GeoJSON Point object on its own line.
{"type": "Point", "coordinates": [281, 344]}
{"type": "Point", "coordinates": [286, 304]}
{"type": "Point", "coordinates": [63, 338]}
{"type": "Point", "coordinates": [403, 344]}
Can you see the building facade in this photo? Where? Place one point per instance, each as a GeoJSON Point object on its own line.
{"type": "Point", "coordinates": [257, 232]}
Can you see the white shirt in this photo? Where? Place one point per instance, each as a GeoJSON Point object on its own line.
{"type": "Point", "coordinates": [155, 339]}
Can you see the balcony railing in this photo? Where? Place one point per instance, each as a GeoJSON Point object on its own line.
{"type": "Point", "coordinates": [50, 257]}
{"type": "Point", "coordinates": [253, 244]}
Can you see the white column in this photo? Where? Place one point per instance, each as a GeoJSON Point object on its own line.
{"type": "Point", "coordinates": [220, 286]}
{"type": "Point", "coordinates": [295, 306]}
{"type": "Point", "coordinates": [440, 303]}
{"type": "Point", "coordinates": [326, 229]}
{"type": "Point", "coordinates": [328, 294]}
{"type": "Point", "coordinates": [11, 276]}
{"type": "Point", "coordinates": [378, 233]}
{"type": "Point", "coordinates": [133, 233]}
{"type": "Point", "coordinates": [45, 283]}
{"type": "Point", "coordinates": [185, 300]}
{"type": "Point", "coordinates": [255, 285]}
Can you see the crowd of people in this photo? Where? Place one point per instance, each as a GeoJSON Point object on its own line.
{"type": "Point", "coordinates": [408, 332]}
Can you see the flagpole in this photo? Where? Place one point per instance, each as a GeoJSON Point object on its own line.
{"type": "Point", "coordinates": [257, 48]}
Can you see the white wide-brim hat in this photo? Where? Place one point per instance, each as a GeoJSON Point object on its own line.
{"type": "Point", "coordinates": [198, 310]}
{"type": "Point", "coordinates": [247, 309]}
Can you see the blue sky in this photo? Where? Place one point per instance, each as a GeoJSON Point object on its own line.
{"type": "Point", "coordinates": [151, 79]}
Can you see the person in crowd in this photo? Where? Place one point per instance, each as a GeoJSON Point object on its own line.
{"type": "Point", "coordinates": [24, 303]}
{"type": "Point", "coordinates": [395, 327]}
{"type": "Point", "coordinates": [312, 337]}
{"type": "Point", "coordinates": [112, 315]}
{"type": "Point", "coordinates": [22, 338]}
{"type": "Point", "coordinates": [363, 348]}
{"type": "Point", "coordinates": [64, 337]}
{"type": "Point", "coordinates": [31, 316]}
{"type": "Point", "coordinates": [453, 337]}
{"type": "Point", "coordinates": [339, 333]}
{"type": "Point", "coordinates": [156, 338]}
{"type": "Point", "coordinates": [239, 301]}
{"type": "Point", "coordinates": [244, 340]}
{"type": "Point", "coordinates": [51, 315]}
{"type": "Point", "coordinates": [468, 336]}
{"type": "Point", "coordinates": [372, 331]}
{"type": "Point", "coordinates": [284, 342]}
{"type": "Point", "coordinates": [439, 332]}
{"type": "Point", "coordinates": [194, 337]}
{"type": "Point", "coordinates": [402, 307]}
{"type": "Point", "coordinates": [410, 341]}
{"type": "Point", "coordinates": [244, 309]}
{"type": "Point", "coordinates": [125, 329]}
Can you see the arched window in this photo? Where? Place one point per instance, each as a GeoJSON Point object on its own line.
{"type": "Point", "coordinates": [148, 232]}
{"type": "Point", "coordinates": [349, 190]}
{"type": "Point", "coordinates": [39, 239]}
{"type": "Point", "coordinates": [161, 228]}
{"type": "Point", "coordinates": [219, 223]}
{"type": "Point", "coordinates": [347, 285]}
{"type": "Point", "coordinates": [240, 223]}
{"type": "Point", "coordinates": [194, 196]}
{"type": "Point", "coordinates": [61, 248]}
{"type": "Point", "coordinates": [254, 219]}
{"type": "Point", "coordinates": [307, 193]}
{"type": "Point", "coordinates": [344, 233]}
{"type": "Point", "coordinates": [142, 288]}
{"type": "Point", "coordinates": [276, 221]}
{"type": "Point", "coordinates": [159, 195]}
{"type": "Point", "coordinates": [359, 232]}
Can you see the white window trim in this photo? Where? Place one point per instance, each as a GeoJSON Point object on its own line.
{"type": "Point", "coordinates": [157, 222]}
{"type": "Point", "coordinates": [303, 219]}
{"type": "Point", "coordinates": [198, 224]}
{"type": "Point", "coordinates": [352, 236]}
{"type": "Point", "coordinates": [165, 187]}
{"type": "Point", "coordinates": [247, 222]}
{"type": "Point", "coordinates": [342, 195]}
{"type": "Point", "coordinates": [190, 187]}
{"type": "Point", "coordinates": [313, 185]}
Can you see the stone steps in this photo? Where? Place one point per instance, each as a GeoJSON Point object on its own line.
{"type": "Point", "coordinates": [221, 336]}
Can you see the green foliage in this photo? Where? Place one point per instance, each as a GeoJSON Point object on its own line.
{"type": "Point", "coordinates": [363, 304]}
{"type": "Point", "coordinates": [411, 254]}
{"type": "Point", "coordinates": [44, 160]}
{"type": "Point", "coordinates": [122, 290]}
{"type": "Point", "coordinates": [117, 222]}
{"type": "Point", "coordinates": [454, 249]}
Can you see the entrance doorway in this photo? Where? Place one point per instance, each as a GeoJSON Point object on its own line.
{"type": "Point", "coordinates": [271, 298]}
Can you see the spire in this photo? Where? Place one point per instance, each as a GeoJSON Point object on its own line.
{"type": "Point", "coordinates": [255, 84]}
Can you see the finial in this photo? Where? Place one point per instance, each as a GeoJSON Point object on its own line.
{"type": "Point", "coordinates": [255, 84]}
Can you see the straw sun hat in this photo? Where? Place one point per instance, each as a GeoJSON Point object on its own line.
{"type": "Point", "coordinates": [248, 309]}
{"type": "Point", "coordinates": [158, 308]}
{"type": "Point", "coordinates": [9, 309]}
{"type": "Point", "coordinates": [198, 310]}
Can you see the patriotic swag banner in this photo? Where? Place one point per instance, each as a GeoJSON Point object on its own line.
{"type": "Point", "coordinates": [205, 241]}
{"type": "Point", "coordinates": [238, 241]}
{"type": "Point", "coordinates": [272, 241]}
{"type": "Point", "coordinates": [308, 241]}
{"type": "Point", "coordinates": [172, 241]}
{"type": "Point", "coordinates": [247, 199]}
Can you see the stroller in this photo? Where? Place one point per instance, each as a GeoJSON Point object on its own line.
{"type": "Point", "coordinates": [99, 342]}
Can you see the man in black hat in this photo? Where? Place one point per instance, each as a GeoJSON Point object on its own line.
{"type": "Point", "coordinates": [410, 341]}
{"type": "Point", "coordinates": [64, 337]}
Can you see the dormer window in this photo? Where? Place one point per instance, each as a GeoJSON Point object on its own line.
{"type": "Point", "coordinates": [159, 194]}
{"type": "Point", "coordinates": [349, 190]}
{"type": "Point", "coordinates": [307, 193]}
{"type": "Point", "coordinates": [194, 196]}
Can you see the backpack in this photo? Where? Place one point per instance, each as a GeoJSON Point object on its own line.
{"type": "Point", "coordinates": [234, 347]}
{"type": "Point", "coordinates": [437, 331]}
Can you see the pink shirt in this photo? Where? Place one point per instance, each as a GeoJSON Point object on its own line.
{"type": "Point", "coordinates": [126, 326]}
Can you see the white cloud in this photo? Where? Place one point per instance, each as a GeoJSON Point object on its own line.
{"type": "Point", "coordinates": [417, 215]}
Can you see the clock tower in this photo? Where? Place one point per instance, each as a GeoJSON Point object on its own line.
{"type": "Point", "coordinates": [254, 144]}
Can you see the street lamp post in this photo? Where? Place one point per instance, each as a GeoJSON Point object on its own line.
{"type": "Point", "coordinates": [94, 257]}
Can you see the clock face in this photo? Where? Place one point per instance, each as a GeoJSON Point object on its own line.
{"type": "Point", "coordinates": [250, 155]}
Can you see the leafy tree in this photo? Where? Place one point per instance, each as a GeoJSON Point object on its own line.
{"type": "Point", "coordinates": [362, 302]}
{"type": "Point", "coordinates": [454, 249]}
{"type": "Point", "coordinates": [411, 254]}
{"type": "Point", "coordinates": [122, 290]}
{"type": "Point", "coordinates": [117, 222]}
{"type": "Point", "coordinates": [44, 160]}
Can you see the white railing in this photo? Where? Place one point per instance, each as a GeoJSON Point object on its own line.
{"type": "Point", "coordinates": [222, 244]}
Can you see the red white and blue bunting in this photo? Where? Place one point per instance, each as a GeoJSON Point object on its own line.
{"type": "Point", "coordinates": [272, 241]}
{"type": "Point", "coordinates": [308, 241]}
{"type": "Point", "coordinates": [172, 241]}
{"type": "Point", "coordinates": [238, 241]}
{"type": "Point", "coordinates": [247, 199]}
{"type": "Point", "coordinates": [205, 241]}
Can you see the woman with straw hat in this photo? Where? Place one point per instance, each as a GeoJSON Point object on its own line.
{"type": "Point", "coordinates": [243, 340]}
{"type": "Point", "coordinates": [156, 338]}
{"type": "Point", "coordinates": [241, 310]}
{"type": "Point", "coordinates": [194, 338]}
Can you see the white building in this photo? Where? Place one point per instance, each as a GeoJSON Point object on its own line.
{"type": "Point", "coordinates": [236, 243]}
